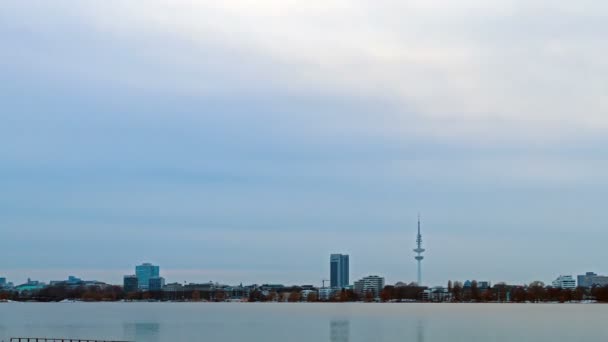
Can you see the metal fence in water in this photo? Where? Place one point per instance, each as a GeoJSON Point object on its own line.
{"type": "Point", "coordinates": [46, 339]}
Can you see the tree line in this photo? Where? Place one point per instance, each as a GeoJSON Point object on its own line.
{"type": "Point", "coordinates": [534, 292]}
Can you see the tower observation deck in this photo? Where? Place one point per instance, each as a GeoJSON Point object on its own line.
{"type": "Point", "coordinates": [419, 250]}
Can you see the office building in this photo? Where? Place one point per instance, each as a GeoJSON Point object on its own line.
{"type": "Point", "coordinates": [31, 286]}
{"type": "Point", "coordinates": [373, 284]}
{"type": "Point", "coordinates": [156, 283]}
{"type": "Point", "coordinates": [130, 283]}
{"type": "Point", "coordinates": [338, 277]}
{"type": "Point", "coordinates": [591, 279]}
{"type": "Point", "coordinates": [437, 294]}
{"type": "Point", "coordinates": [484, 284]}
{"type": "Point", "coordinates": [325, 293]}
{"type": "Point", "coordinates": [2, 282]}
{"type": "Point", "coordinates": [144, 273]}
{"type": "Point", "coordinates": [565, 282]}
{"type": "Point", "coordinates": [71, 281]}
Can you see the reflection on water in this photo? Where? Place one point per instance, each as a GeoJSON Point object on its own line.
{"type": "Point", "coordinates": [420, 332]}
{"type": "Point", "coordinates": [323, 322]}
{"type": "Point", "coordinates": [339, 330]}
{"type": "Point", "coordinates": [142, 332]}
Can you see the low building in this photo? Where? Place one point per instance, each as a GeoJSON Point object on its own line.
{"type": "Point", "coordinates": [173, 287]}
{"type": "Point", "coordinates": [437, 294]}
{"type": "Point", "coordinates": [373, 284]}
{"type": "Point", "coordinates": [30, 286]}
{"type": "Point", "coordinates": [304, 294]}
{"type": "Point", "coordinates": [591, 279]}
{"type": "Point", "coordinates": [73, 282]}
{"type": "Point", "coordinates": [358, 286]}
{"type": "Point", "coordinates": [325, 293]}
{"type": "Point", "coordinates": [130, 283]}
{"type": "Point", "coordinates": [565, 282]}
{"type": "Point", "coordinates": [5, 285]}
{"type": "Point", "coordinates": [272, 287]}
{"type": "Point", "coordinates": [484, 284]}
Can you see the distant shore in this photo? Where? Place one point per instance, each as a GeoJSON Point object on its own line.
{"type": "Point", "coordinates": [276, 302]}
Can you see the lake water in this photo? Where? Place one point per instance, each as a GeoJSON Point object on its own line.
{"type": "Point", "coordinates": [306, 322]}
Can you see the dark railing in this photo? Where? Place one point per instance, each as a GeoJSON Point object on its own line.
{"type": "Point", "coordinates": [46, 339]}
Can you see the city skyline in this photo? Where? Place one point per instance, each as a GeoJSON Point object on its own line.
{"type": "Point", "coordinates": [230, 141]}
{"type": "Point", "coordinates": [147, 272]}
{"type": "Point", "coordinates": [197, 274]}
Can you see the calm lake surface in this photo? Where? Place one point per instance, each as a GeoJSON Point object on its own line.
{"type": "Point", "coordinates": [306, 322]}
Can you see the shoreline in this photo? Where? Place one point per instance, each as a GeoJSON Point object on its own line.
{"type": "Point", "coordinates": [247, 302]}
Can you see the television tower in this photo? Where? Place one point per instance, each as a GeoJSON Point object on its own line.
{"type": "Point", "coordinates": [419, 250]}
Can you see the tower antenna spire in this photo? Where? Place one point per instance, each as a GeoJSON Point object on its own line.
{"type": "Point", "coordinates": [419, 250]}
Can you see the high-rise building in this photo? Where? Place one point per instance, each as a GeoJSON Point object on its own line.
{"type": "Point", "coordinates": [130, 283]}
{"type": "Point", "coordinates": [156, 283]}
{"type": "Point", "coordinates": [565, 282]}
{"type": "Point", "coordinates": [2, 282]}
{"type": "Point", "coordinates": [144, 273]}
{"type": "Point", "coordinates": [338, 265]}
{"type": "Point", "coordinates": [591, 279]}
{"type": "Point", "coordinates": [373, 284]}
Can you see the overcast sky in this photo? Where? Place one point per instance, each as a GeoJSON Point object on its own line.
{"type": "Point", "coordinates": [246, 140]}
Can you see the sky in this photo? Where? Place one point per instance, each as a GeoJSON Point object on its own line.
{"type": "Point", "coordinates": [246, 141]}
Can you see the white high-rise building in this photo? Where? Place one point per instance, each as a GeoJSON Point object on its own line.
{"type": "Point", "coordinates": [373, 284]}
{"type": "Point", "coordinates": [565, 282]}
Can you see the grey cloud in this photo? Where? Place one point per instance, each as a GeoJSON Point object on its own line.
{"type": "Point", "coordinates": [207, 128]}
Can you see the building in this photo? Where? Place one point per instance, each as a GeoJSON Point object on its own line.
{"type": "Point", "coordinates": [373, 284]}
{"type": "Point", "coordinates": [591, 279]}
{"type": "Point", "coordinates": [565, 282]}
{"type": "Point", "coordinates": [130, 284]}
{"type": "Point", "coordinates": [31, 286]}
{"type": "Point", "coordinates": [338, 265]}
{"type": "Point", "coordinates": [144, 273]}
{"type": "Point", "coordinates": [156, 283]}
{"type": "Point", "coordinates": [71, 281]}
{"type": "Point", "coordinates": [272, 287]}
{"type": "Point", "coordinates": [484, 284]}
{"type": "Point", "coordinates": [173, 287]}
{"type": "Point", "coordinates": [325, 293]}
{"type": "Point", "coordinates": [304, 294]}
{"type": "Point", "coordinates": [437, 294]}
{"type": "Point", "coordinates": [5, 285]}
{"type": "Point", "coordinates": [74, 282]}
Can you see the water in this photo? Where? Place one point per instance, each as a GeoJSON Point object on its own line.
{"type": "Point", "coordinates": [306, 322]}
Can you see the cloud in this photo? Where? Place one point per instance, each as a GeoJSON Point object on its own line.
{"type": "Point", "coordinates": [337, 118]}
{"type": "Point", "coordinates": [508, 70]}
